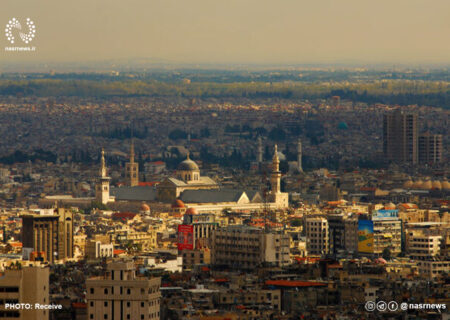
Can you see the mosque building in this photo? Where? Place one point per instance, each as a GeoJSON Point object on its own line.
{"type": "Point", "coordinates": [187, 189]}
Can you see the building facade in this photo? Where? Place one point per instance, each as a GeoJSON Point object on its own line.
{"type": "Point", "coordinates": [25, 285]}
{"type": "Point", "coordinates": [244, 247]}
{"type": "Point", "coordinates": [51, 234]}
{"type": "Point", "coordinates": [121, 295]}
{"type": "Point", "coordinates": [317, 236]}
{"type": "Point", "coordinates": [430, 148]}
{"type": "Point", "coordinates": [400, 137]}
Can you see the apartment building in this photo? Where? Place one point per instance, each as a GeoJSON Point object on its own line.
{"type": "Point", "coordinates": [244, 247]}
{"type": "Point", "coordinates": [317, 236]}
{"type": "Point", "coordinates": [122, 295]}
{"type": "Point", "coordinates": [25, 285]}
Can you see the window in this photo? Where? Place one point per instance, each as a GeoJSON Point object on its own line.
{"type": "Point", "coordinates": [128, 316]}
{"type": "Point", "coordinates": [91, 316]}
{"type": "Point", "coordinates": [128, 304]}
{"type": "Point", "coordinates": [105, 303]}
{"type": "Point", "coordinates": [91, 303]}
{"type": "Point", "coordinates": [142, 304]}
{"type": "Point", "coordinates": [105, 316]}
{"type": "Point", "coordinates": [106, 291]}
{"type": "Point", "coordinates": [92, 290]}
{"type": "Point", "coordinates": [128, 291]}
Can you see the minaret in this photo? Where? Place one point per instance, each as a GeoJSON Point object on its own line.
{"type": "Point", "coordinates": [299, 156]}
{"type": "Point", "coordinates": [259, 156]}
{"type": "Point", "coordinates": [132, 169]}
{"type": "Point", "coordinates": [275, 177]}
{"type": "Point", "coordinates": [102, 187]}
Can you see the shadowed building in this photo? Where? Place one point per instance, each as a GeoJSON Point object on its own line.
{"type": "Point", "coordinates": [49, 233]}
{"type": "Point", "coordinates": [400, 137]}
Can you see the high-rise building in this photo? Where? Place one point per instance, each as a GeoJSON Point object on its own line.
{"type": "Point", "coordinates": [50, 233]}
{"type": "Point", "coordinates": [430, 148]}
{"type": "Point", "coordinates": [400, 137]}
{"type": "Point", "coordinates": [121, 295]}
{"type": "Point", "coordinates": [244, 247]}
{"type": "Point", "coordinates": [317, 238]}
{"type": "Point", "coordinates": [132, 169]}
{"type": "Point", "coordinates": [25, 285]}
{"type": "Point", "coordinates": [299, 156]}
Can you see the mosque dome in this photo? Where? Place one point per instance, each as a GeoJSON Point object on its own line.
{"type": "Point", "coordinates": [191, 211]}
{"type": "Point", "coordinates": [178, 204]}
{"type": "Point", "coordinates": [145, 207]}
{"type": "Point", "coordinates": [426, 185]}
{"type": "Point", "coordinates": [445, 185]}
{"type": "Point", "coordinates": [408, 184]}
{"type": "Point", "coordinates": [417, 184]}
{"type": "Point", "coordinates": [436, 185]}
{"type": "Point", "coordinates": [188, 165]}
{"type": "Point", "coordinates": [389, 206]}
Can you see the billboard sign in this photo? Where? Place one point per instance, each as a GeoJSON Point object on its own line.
{"type": "Point", "coordinates": [365, 236]}
{"type": "Point", "coordinates": [185, 237]}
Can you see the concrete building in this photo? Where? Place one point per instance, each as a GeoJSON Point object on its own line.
{"type": "Point", "coordinates": [50, 232]}
{"type": "Point", "coordinates": [98, 250]}
{"type": "Point", "coordinates": [244, 247]}
{"type": "Point", "coordinates": [121, 295]}
{"type": "Point", "coordinates": [387, 234]}
{"type": "Point", "coordinates": [430, 148]}
{"type": "Point", "coordinates": [195, 257]}
{"type": "Point", "coordinates": [25, 285]}
{"type": "Point", "coordinates": [400, 137]}
{"type": "Point", "coordinates": [317, 237]}
{"type": "Point", "coordinates": [422, 246]}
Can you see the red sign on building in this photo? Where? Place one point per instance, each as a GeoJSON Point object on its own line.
{"type": "Point", "coordinates": [185, 237]}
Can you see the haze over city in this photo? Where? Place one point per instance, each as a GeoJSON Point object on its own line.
{"type": "Point", "coordinates": [235, 31]}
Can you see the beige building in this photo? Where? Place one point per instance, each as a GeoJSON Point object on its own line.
{"type": "Point", "coordinates": [121, 295]}
{"type": "Point", "coordinates": [317, 238]}
{"type": "Point", "coordinates": [195, 257]}
{"type": "Point", "coordinates": [387, 233]}
{"type": "Point", "coordinates": [422, 246]}
{"type": "Point", "coordinates": [50, 233]}
{"type": "Point", "coordinates": [433, 269]}
{"type": "Point", "coordinates": [244, 247]}
{"type": "Point", "coordinates": [99, 250]}
{"type": "Point", "coordinates": [26, 285]}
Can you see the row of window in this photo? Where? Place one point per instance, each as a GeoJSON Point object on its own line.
{"type": "Point", "coordinates": [128, 316]}
{"type": "Point", "coordinates": [128, 291]}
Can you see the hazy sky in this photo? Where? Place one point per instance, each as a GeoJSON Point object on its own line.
{"type": "Point", "coordinates": [234, 31]}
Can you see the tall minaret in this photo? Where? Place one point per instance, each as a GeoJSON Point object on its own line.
{"type": "Point", "coordinates": [299, 156]}
{"type": "Point", "coordinates": [102, 187]}
{"type": "Point", "coordinates": [259, 156]}
{"type": "Point", "coordinates": [275, 177]}
{"type": "Point", "coordinates": [132, 169]}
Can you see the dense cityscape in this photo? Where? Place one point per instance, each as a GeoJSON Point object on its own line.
{"type": "Point", "coordinates": [223, 206]}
